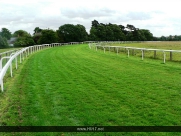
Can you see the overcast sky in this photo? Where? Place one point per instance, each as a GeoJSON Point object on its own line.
{"type": "Point", "coordinates": [161, 17]}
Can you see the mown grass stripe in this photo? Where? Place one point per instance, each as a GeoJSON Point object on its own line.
{"type": "Point", "coordinates": [73, 85]}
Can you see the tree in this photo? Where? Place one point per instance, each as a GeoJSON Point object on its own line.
{"type": "Point", "coordinates": [24, 41]}
{"type": "Point", "coordinates": [106, 32]}
{"type": "Point", "coordinates": [37, 30]}
{"type": "Point", "coordinates": [93, 34]}
{"type": "Point", "coordinates": [81, 33]}
{"type": "Point", "coordinates": [72, 33]}
{"type": "Point", "coordinates": [130, 27]}
{"type": "Point", "coordinates": [5, 33]}
{"type": "Point", "coordinates": [95, 23]}
{"type": "Point", "coordinates": [36, 38]}
{"type": "Point", "coordinates": [123, 29]}
{"type": "Point", "coordinates": [163, 38]}
{"type": "Point", "coordinates": [48, 36]}
{"type": "Point", "coordinates": [148, 35]}
{"type": "Point", "coordinates": [116, 33]}
{"type": "Point", "coordinates": [67, 32]}
{"type": "Point", "coordinates": [3, 42]}
{"type": "Point", "coordinates": [21, 33]}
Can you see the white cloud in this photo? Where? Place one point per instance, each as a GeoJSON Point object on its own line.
{"type": "Point", "coordinates": [160, 17]}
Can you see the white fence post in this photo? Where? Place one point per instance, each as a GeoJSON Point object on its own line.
{"type": "Point", "coordinates": [20, 57]}
{"type": "Point", "coordinates": [142, 53]}
{"type": "Point", "coordinates": [24, 52]}
{"type": "Point", "coordinates": [164, 55]}
{"type": "Point", "coordinates": [16, 63]}
{"type": "Point", "coordinates": [2, 85]}
{"type": "Point", "coordinates": [11, 70]}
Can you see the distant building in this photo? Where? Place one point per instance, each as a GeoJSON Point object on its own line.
{"type": "Point", "coordinates": [11, 41]}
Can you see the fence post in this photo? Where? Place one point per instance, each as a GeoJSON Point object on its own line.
{"type": "Point", "coordinates": [26, 52]}
{"type": "Point", "coordinates": [2, 85]}
{"type": "Point", "coordinates": [133, 52]}
{"type": "Point", "coordinates": [16, 62]}
{"type": "Point", "coordinates": [23, 55]}
{"type": "Point", "coordinates": [11, 70]}
{"type": "Point", "coordinates": [6, 56]}
{"type": "Point", "coordinates": [164, 55]}
{"type": "Point", "coordinates": [128, 53]}
{"type": "Point", "coordinates": [1, 64]}
{"type": "Point", "coordinates": [142, 53]}
{"type": "Point", "coordinates": [170, 55]}
{"type": "Point", "coordinates": [20, 57]}
{"type": "Point", "coordinates": [154, 54]}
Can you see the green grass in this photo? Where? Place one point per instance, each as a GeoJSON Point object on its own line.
{"type": "Point", "coordinates": [7, 49]}
{"type": "Point", "coordinates": [156, 45]}
{"type": "Point", "coordinates": [176, 57]}
{"type": "Point", "coordinates": [76, 86]}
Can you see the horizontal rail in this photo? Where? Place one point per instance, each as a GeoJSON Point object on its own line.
{"type": "Point", "coordinates": [22, 53]}
{"type": "Point", "coordinates": [96, 45]}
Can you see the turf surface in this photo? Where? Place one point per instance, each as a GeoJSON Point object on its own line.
{"type": "Point", "coordinates": [76, 86]}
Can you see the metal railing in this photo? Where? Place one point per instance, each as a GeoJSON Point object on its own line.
{"type": "Point", "coordinates": [20, 54]}
{"type": "Point", "coordinates": [104, 47]}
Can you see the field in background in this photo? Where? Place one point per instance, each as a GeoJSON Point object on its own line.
{"type": "Point", "coordinates": [176, 57]}
{"type": "Point", "coordinates": [7, 49]}
{"type": "Point", "coordinates": [155, 45]}
{"type": "Point", "coordinates": [74, 86]}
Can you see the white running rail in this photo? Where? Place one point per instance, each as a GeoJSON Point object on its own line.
{"type": "Point", "coordinates": [104, 47]}
{"type": "Point", "coordinates": [21, 54]}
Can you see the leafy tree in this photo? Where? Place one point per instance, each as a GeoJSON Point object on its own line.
{"type": "Point", "coordinates": [102, 32]}
{"type": "Point", "coordinates": [130, 27]}
{"type": "Point", "coordinates": [5, 33]}
{"type": "Point", "coordinates": [48, 36]}
{"type": "Point", "coordinates": [117, 34]}
{"type": "Point", "coordinates": [24, 41]}
{"type": "Point", "coordinates": [36, 38]}
{"type": "Point", "coordinates": [163, 38]}
{"type": "Point", "coordinates": [21, 33]}
{"type": "Point", "coordinates": [106, 32]}
{"type": "Point", "coordinates": [93, 34]}
{"type": "Point", "coordinates": [81, 33]}
{"type": "Point", "coordinates": [60, 37]}
{"type": "Point", "coordinates": [72, 33]}
{"type": "Point", "coordinates": [68, 33]}
{"type": "Point", "coordinates": [148, 35]}
{"type": "Point", "coordinates": [95, 23]}
{"type": "Point", "coordinates": [37, 30]}
{"type": "Point", "coordinates": [3, 42]}
{"type": "Point", "coordinates": [123, 29]}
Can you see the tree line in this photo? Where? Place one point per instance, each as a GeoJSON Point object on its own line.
{"type": "Point", "coordinates": [77, 33]}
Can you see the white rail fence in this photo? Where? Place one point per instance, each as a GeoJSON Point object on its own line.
{"type": "Point", "coordinates": [104, 47]}
{"type": "Point", "coordinates": [21, 54]}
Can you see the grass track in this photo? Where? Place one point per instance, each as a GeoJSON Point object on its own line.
{"type": "Point", "coordinates": [73, 85]}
